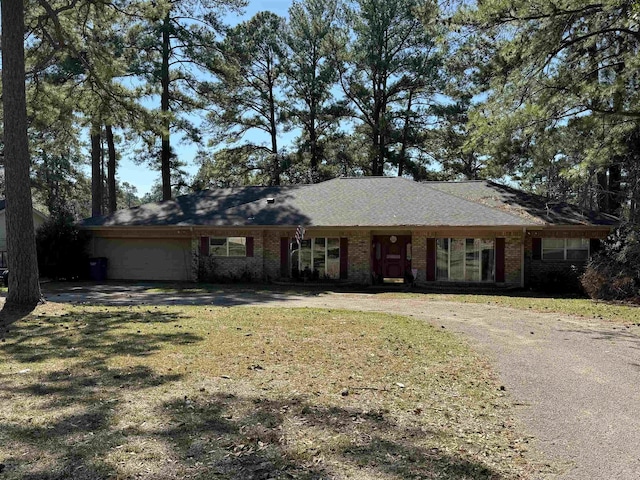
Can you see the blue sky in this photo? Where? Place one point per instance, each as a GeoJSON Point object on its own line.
{"type": "Point", "coordinates": [141, 176]}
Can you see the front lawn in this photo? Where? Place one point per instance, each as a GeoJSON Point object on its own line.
{"type": "Point", "coordinates": [582, 307]}
{"type": "Point", "coordinates": [237, 393]}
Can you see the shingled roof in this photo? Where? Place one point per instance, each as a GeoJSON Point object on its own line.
{"type": "Point", "coordinates": [341, 202]}
{"type": "Point", "coordinates": [533, 208]}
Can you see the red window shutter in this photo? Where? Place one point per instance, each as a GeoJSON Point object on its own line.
{"type": "Point", "coordinates": [204, 246]}
{"type": "Point", "coordinates": [500, 260]}
{"type": "Point", "coordinates": [249, 246]}
{"type": "Point", "coordinates": [537, 248]}
{"type": "Point", "coordinates": [284, 257]}
{"type": "Point", "coordinates": [344, 258]}
{"type": "Point", "coordinates": [431, 259]}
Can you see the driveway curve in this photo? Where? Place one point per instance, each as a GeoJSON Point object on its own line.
{"type": "Point", "coordinates": [575, 383]}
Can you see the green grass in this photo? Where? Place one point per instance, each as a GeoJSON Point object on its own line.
{"type": "Point", "coordinates": [231, 393]}
{"type": "Point", "coordinates": [581, 307]}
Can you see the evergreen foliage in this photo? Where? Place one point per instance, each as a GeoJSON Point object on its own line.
{"type": "Point", "coordinates": [62, 247]}
{"type": "Point", "coordinates": [614, 272]}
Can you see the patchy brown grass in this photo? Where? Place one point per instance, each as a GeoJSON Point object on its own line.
{"type": "Point", "coordinates": [616, 312]}
{"type": "Point", "coordinates": [237, 393]}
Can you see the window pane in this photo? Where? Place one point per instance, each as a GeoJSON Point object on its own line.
{"type": "Point", "coordinates": [577, 248]}
{"type": "Point", "coordinates": [487, 258]}
{"type": "Point", "coordinates": [552, 243]}
{"type": "Point", "coordinates": [553, 254]}
{"type": "Point", "coordinates": [456, 255]}
{"type": "Point", "coordinates": [578, 243]}
{"type": "Point", "coordinates": [472, 260]}
{"type": "Point", "coordinates": [295, 257]}
{"type": "Point", "coordinates": [319, 252]}
{"type": "Point", "coordinates": [218, 247]}
{"type": "Point", "coordinates": [305, 256]}
{"type": "Point", "coordinates": [553, 248]}
{"type": "Point", "coordinates": [333, 257]}
{"type": "Point", "coordinates": [442, 259]}
{"type": "Point", "coordinates": [237, 246]}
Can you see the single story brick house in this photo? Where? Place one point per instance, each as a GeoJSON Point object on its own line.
{"type": "Point", "coordinates": [359, 230]}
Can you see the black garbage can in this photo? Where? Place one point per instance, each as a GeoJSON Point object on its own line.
{"type": "Point", "coordinates": [98, 269]}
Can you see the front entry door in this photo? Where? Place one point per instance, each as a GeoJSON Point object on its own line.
{"type": "Point", "coordinates": [391, 257]}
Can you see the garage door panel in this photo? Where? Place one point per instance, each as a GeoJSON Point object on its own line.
{"type": "Point", "coordinates": [145, 259]}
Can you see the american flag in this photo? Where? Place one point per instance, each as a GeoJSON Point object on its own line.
{"type": "Point", "coordinates": [299, 234]}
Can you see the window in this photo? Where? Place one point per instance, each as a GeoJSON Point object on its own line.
{"type": "Point", "coordinates": [465, 259]}
{"type": "Point", "coordinates": [565, 249]}
{"type": "Point", "coordinates": [317, 257]}
{"type": "Point", "coordinates": [228, 246]}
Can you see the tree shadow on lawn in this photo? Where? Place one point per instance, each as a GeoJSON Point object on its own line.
{"type": "Point", "coordinates": [60, 418]}
{"type": "Point", "coordinates": [249, 437]}
{"type": "Point", "coordinates": [83, 418]}
{"type": "Point", "coordinates": [9, 314]}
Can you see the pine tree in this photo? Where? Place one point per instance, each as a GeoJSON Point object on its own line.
{"type": "Point", "coordinates": [246, 97]}
{"type": "Point", "coordinates": [553, 64]}
{"type": "Point", "coordinates": [311, 75]}
{"type": "Point", "coordinates": [24, 286]}
{"type": "Point", "coordinates": [389, 60]}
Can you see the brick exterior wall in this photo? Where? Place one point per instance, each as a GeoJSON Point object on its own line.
{"type": "Point", "coordinates": [419, 257]}
{"type": "Point", "coordinates": [271, 260]}
{"type": "Point", "coordinates": [513, 260]}
{"type": "Point", "coordinates": [229, 268]}
{"type": "Point", "coordinates": [359, 257]}
{"type": "Point", "coordinates": [265, 263]}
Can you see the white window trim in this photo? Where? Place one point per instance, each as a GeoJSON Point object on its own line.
{"type": "Point", "coordinates": [564, 250]}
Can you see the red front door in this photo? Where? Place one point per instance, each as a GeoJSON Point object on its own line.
{"type": "Point", "coordinates": [391, 256]}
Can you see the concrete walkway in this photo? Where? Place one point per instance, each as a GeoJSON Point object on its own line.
{"type": "Point", "coordinates": [575, 383]}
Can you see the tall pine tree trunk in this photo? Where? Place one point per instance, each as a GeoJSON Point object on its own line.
{"type": "Point", "coordinates": [96, 171]}
{"type": "Point", "coordinates": [275, 167]}
{"type": "Point", "coordinates": [24, 285]}
{"type": "Point", "coordinates": [405, 135]}
{"type": "Point", "coordinates": [111, 169]}
{"type": "Point", "coordinates": [165, 152]}
{"type": "Point", "coordinates": [313, 142]}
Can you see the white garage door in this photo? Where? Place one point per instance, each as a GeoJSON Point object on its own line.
{"type": "Point", "coordinates": [145, 259]}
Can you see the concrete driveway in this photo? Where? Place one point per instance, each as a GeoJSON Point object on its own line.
{"type": "Point", "coordinates": [575, 383]}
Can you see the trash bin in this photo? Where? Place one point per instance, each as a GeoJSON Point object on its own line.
{"type": "Point", "coordinates": [98, 269]}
